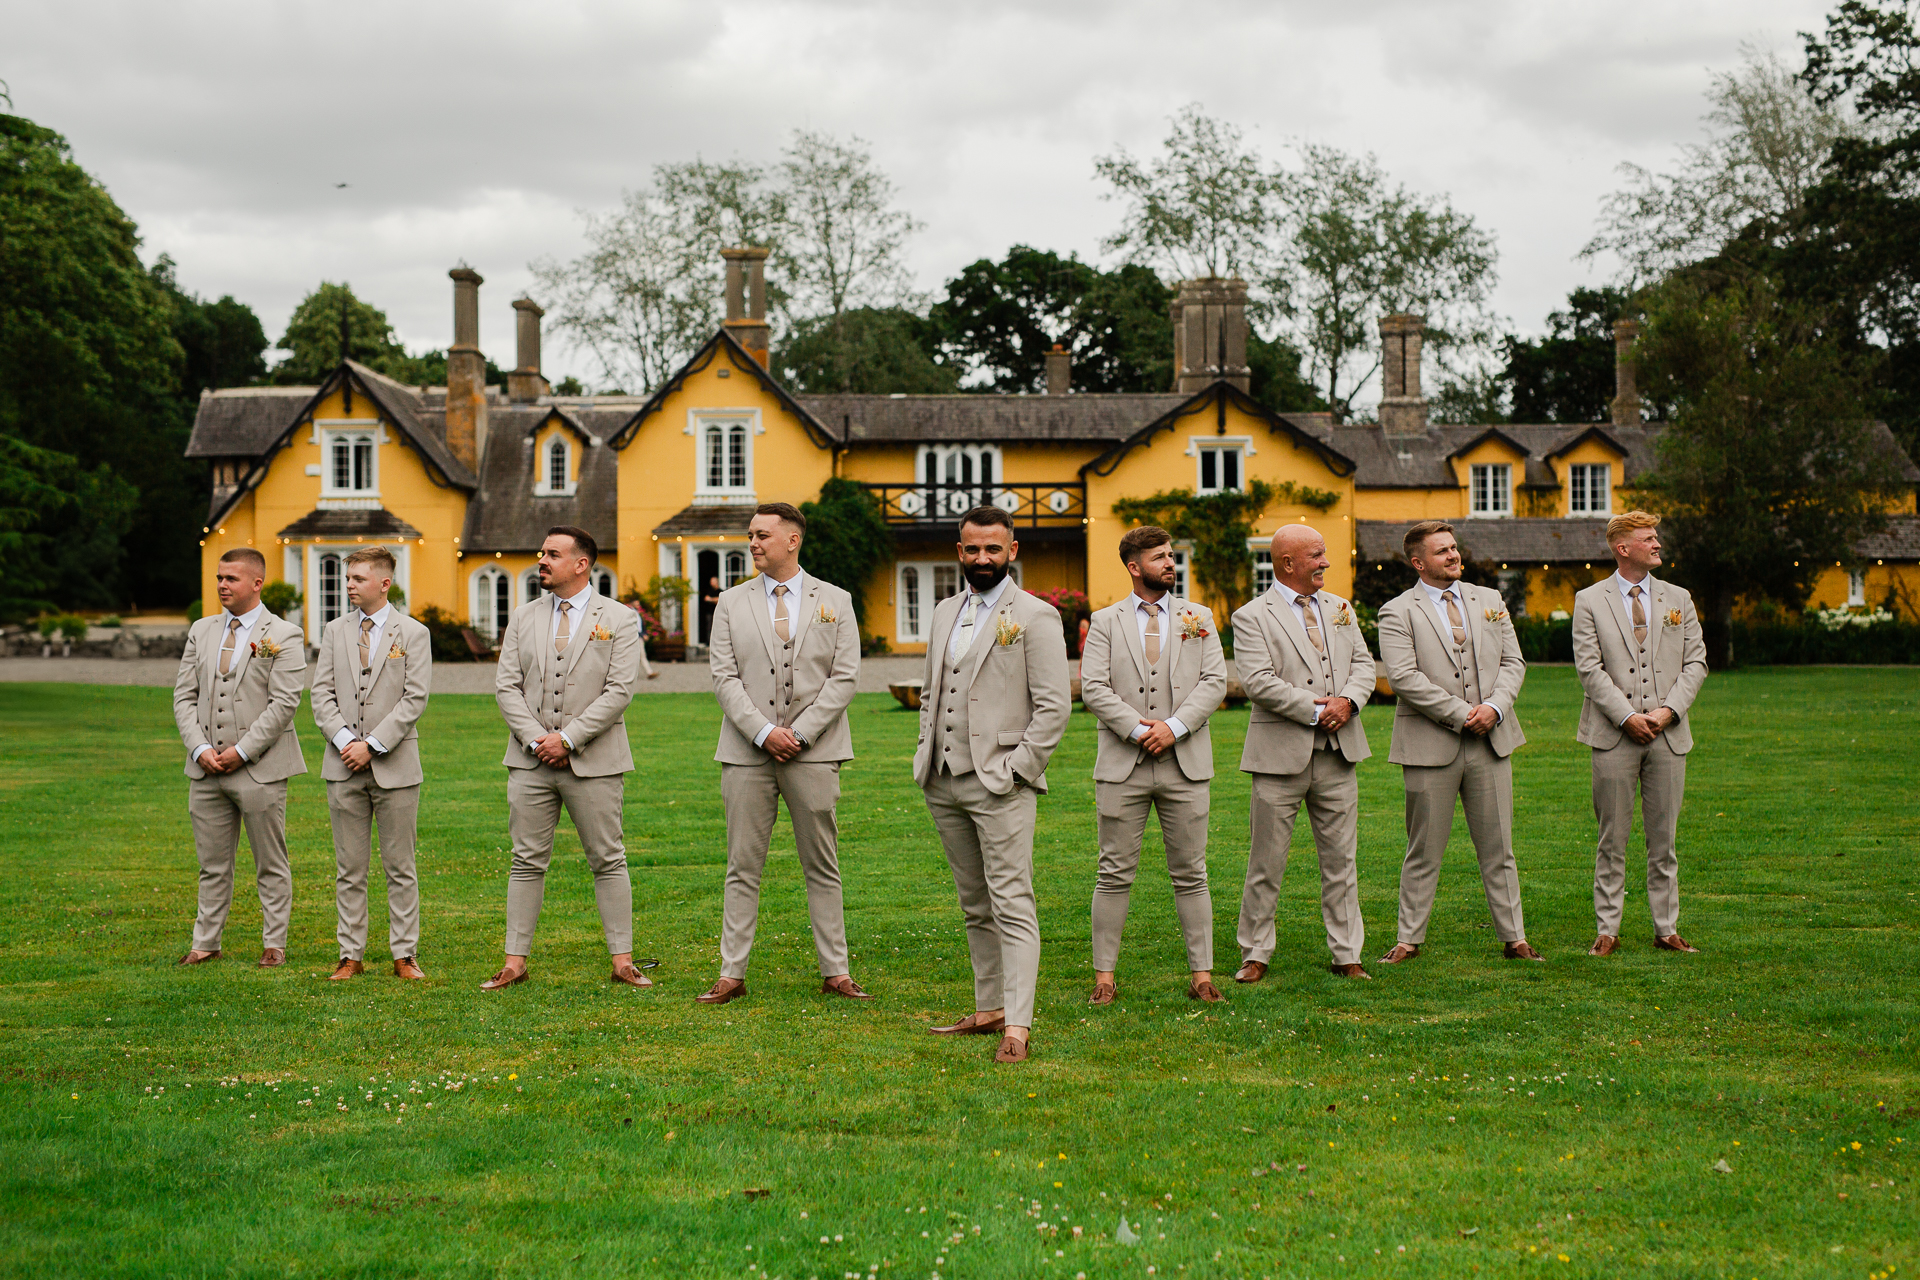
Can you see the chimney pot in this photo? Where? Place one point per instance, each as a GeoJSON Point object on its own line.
{"type": "Point", "coordinates": [525, 384]}
{"type": "Point", "coordinates": [1210, 335]}
{"type": "Point", "coordinates": [466, 372]}
{"type": "Point", "coordinates": [1059, 370]}
{"type": "Point", "coordinates": [1403, 410]}
{"type": "Point", "coordinates": [1626, 399]}
{"type": "Point", "coordinates": [747, 298]}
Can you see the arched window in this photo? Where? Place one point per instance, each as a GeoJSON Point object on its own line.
{"type": "Point", "coordinates": [737, 569]}
{"type": "Point", "coordinates": [333, 596]}
{"type": "Point", "coordinates": [492, 603]}
{"type": "Point", "coordinates": [530, 586]}
{"type": "Point", "coordinates": [958, 477]}
{"type": "Point", "coordinates": [603, 582]}
{"type": "Point", "coordinates": [557, 465]}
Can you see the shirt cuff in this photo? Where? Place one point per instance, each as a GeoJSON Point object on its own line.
{"type": "Point", "coordinates": [242, 754]}
{"type": "Point", "coordinates": [760, 738]}
{"type": "Point", "coordinates": [1139, 732]}
{"type": "Point", "coordinates": [342, 739]}
{"type": "Point", "coordinates": [1497, 717]}
{"type": "Point", "coordinates": [375, 744]}
{"type": "Point", "coordinates": [1179, 730]}
{"type": "Point", "coordinates": [200, 750]}
{"type": "Point", "coordinates": [569, 741]}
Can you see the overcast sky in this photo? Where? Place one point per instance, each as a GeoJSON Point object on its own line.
{"type": "Point", "coordinates": [476, 131]}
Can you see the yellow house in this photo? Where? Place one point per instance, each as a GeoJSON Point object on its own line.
{"type": "Point", "coordinates": [464, 480]}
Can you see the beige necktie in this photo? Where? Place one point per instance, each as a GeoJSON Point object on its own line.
{"type": "Point", "coordinates": [366, 638]}
{"type": "Point", "coordinates": [966, 627]}
{"type": "Point", "coordinates": [1153, 633]}
{"type": "Point", "coordinates": [1639, 618]}
{"type": "Point", "coordinates": [565, 632]}
{"type": "Point", "coordinates": [226, 650]}
{"type": "Point", "coordinates": [1454, 619]}
{"type": "Point", "coordinates": [781, 625]}
{"type": "Point", "coordinates": [1312, 621]}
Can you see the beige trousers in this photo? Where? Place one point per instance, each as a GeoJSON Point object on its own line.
{"type": "Point", "coordinates": [1661, 776]}
{"type": "Point", "coordinates": [1329, 786]}
{"type": "Point", "coordinates": [1154, 784]}
{"type": "Point", "coordinates": [752, 795]}
{"type": "Point", "coordinates": [354, 806]}
{"type": "Point", "coordinates": [219, 805]}
{"type": "Point", "coordinates": [989, 844]}
{"type": "Point", "coordinates": [534, 799]}
{"type": "Point", "coordinates": [1483, 784]}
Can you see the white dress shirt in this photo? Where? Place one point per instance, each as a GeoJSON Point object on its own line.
{"type": "Point", "coordinates": [576, 610]}
{"type": "Point", "coordinates": [982, 603]}
{"type": "Point", "coordinates": [1292, 600]}
{"type": "Point", "coordinates": [1446, 624]}
{"type": "Point", "coordinates": [248, 621]}
{"type": "Point", "coordinates": [793, 586]}
{"type": "Point", "coordinates": [342, 739]}
{"type": "Point", "coordinates": [1625, 589]}
{"type": "Point", "coordinates": [1166, 620]}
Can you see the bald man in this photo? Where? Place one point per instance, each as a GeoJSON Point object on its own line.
{"type": "Point", "coordinates": [1306, 669]}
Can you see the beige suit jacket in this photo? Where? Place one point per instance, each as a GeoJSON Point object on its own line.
{"type": "Point", "coordinates": [1278, 665]}
{"type": "Point", "coordinates": [397, 692]}
{"type": "Point", "coordinates": [1113, 685]}
{"type": "Point", "coordinates": [1014, 677]}
{"type": "Point", "coordinates": [599, 679]}
{"type": "Point", "coordinates": [266, 694]}
{"type": "Point", "coordinates": [1605, 655]}
{"type": "Point", "coordinates": [1428, 720]}
{"type": "Point", "coordinates": [753, 669]}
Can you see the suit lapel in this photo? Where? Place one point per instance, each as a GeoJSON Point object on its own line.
{"type": "Point", "coordinates": [984, 631]}
{"type": "Point", "coordinates": [1337, 655]}
{"type": "Point", "coordinates": [756, 600]}
{"type": "Point", "coordinates": [943, 631]}
{"type": "Point", "coordinates": [377, 656]}
{"type": "Point", "coordinates": [801, 610]}
{"type": "Point", "coordinates": [1295, 632]}
{"type": "Point", "coordinates": [243, 652]}
{"type": "Point", "coordinates": [1423, 606]}
{"type": "Point", "coordinates": [577, 642]}
{"type": "Point", "coordinates": [1618, 608]}
{"type": "Point", "coordinates": [542, 638]}
{"type": "Point", "coordinates": [1128, 622]}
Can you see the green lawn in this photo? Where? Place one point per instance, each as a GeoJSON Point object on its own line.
{"type": "Point", "coordinates": [1457, 1115]}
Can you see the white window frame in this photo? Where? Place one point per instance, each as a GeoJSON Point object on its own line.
{"type": "Point", "coordinates": [1198, 447]}
{"type": "Point", "coordinates": [736, 487]}
{"type": "Point", "coordinates": [671, 567]}
{"type": "Point", "coordinates": [526, 586]}
{"type": "Point", "coordinates": [605, 582]}
{"type": "Point", "coordinates": [311, 567]}
{"type": "Point", "coordinates": [1580, 486]}
{"type": "Point", "coordinates": [1262, 553]}
{"type": "Point", "coordinates": [483, 602]}
{"type": "Point", "coordinates": [543, 467]}
{"type": "Point", "coordinates": [968, 476]}
{"type": "Point", "coordinates": [1490, 490]}
{"type": "Point", "coordinates": [368, 435]}
{"type": "Point", "coordinates": [1183, 572]}
{"type": "Point", "coordinates": [926, 570]}
{"type": "Point", "coordinates": [1856, 588]}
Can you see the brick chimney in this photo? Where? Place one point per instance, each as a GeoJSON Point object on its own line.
{"type": "Point", "coordinates": [1059, 370]}
{"type": "Point", "coordinates": [466, 372]}
{"type": "Point", "coordinates": [1626, 383]}
{"type": "Point", "coordinates": [1210, 335]}
{"type": "Point", "coordinates": [1403, 410]}
{"type": "Point", "coordinates": [524, 384]}
{"type": "Point", "coordinates": [747, 298]}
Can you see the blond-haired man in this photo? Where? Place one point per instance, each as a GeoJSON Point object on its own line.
{"type": "Point", "coordinates": [1638, 648]}
{"type": "Point", "coordinates": [1454, 660]}
{"type": "Point", "coordinates": [370, 686]}
{"type": "Point", "coordinates": [234, 701]}
{"type": "Point", "coordinates": [1153, 674]}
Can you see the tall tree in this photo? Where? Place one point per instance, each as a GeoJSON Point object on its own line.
{"type": "Point", "coordinates": [223, 343]}
{"type": "Point", "coordinates": [868, 350]}
{"type": "Point", "coordinates": [88, 363]}
{"type": "Point", "coordinates": [998, 319]}
{"type": "Point", "coordinates": [61, 530]}
{"type": "Point", "coordinates": [847, 539]}
{"type": "Point", "coordinates": [1568, 375]}
{"type": "Point", "coordinates": [1770, 466]}
{"type": "Point", "coordinates": [331, 323]}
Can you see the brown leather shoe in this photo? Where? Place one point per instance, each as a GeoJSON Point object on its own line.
{"type": "Point", "coordinates": [1103, 993]}
{"type": "Point", "coordinates": [1011, 1049]}
{"type": "Point", "coordinates": [1674, 942]}
{"type": "Point", "coordinates": [505, 978]}
{"type": "Point", "coordinates": [844, 985]}
{"type": "Point", "coordinates": [1251, 971]}
{"type": "Point", "coordinates": [408, 968]}
{"type": "Point", "coordinates": [722, 991]}
{"type": "Point", "coordinates": [1348, 971]}
{"type": "Point", "coordinates": [971, 1025]}
{"type": "Point", "coordinates": [1604, 945]}
{"type": "Point", "coordinates": [347, 969]}
{"type": "Point", "coordinates": [199, 957]}
{"type": "Point", "coordinates": [273, 957]}
{"type": "Point", "coordinates": [1206, 992]}
{"type": "Point", "coordinates": [1401, 953]}
{"type": "Point", "coordinates": [630, 974]}
{"type": "Point", "coordinates": [1523, 950]}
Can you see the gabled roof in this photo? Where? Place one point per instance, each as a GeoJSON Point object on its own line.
{"type": "Point", "coordinates": [507, 515]}
{"type": "Point", "coordinates": [1486, 434]}
{"type": "Point", "coordinates": [1424, 461]}
{"type": "Point", "coordinates": [330, 523]}
{"type": "Point", "coordinates": [1217, 397]}
{"type": "Point", "coordinates": [724, 344]}
{"type": "Point", "coordinates": [1574, 441]}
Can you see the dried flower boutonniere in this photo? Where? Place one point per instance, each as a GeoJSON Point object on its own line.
{"type": "Point", "coordinates": [1006, 631]}
{"type": "Point", "coordinates": [601, 632]}
{"type": "Point", "coordinates": [265, 648]}
{"type": "Point", "coordinates": [1496, 615]}
{"type": "Point", "coordinates": [1673, 617]}
{"type": "Point", "coordinates": [827, 614]}
{"type": "Point", "coordinates": [1191, 628]}
{"type": "Point", "coordinates": [395, 651]}
{"type": "Point", "coordinates": [1343, 616]}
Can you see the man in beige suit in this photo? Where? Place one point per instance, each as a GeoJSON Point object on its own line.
{"type": "Point", "coordinates": [1454, 661]}
{"type": "Point", "coordinates": [239, 685]}
{"type": "Point", "coordinates": [783, 737]}
{"type": "Point", "coordinates": [1152, 673]}
{"type": "Point", "coordinates": [1307, 671]}
{"type": "Point", "coordinates": [567, 666]}
{"type": "Point", "coordinates": [993, 707]}
{"type": "Point", "coordinates": [1641, 657]}
{"type": "Point", "coordinates": [370, 686]}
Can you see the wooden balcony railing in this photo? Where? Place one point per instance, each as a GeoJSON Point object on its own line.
{"type": "Point", "coordinates": [1058, 505]}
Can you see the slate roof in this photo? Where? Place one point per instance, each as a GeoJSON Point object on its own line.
{"type": "Point", "coordinates": [507, 515]}
{"type": "Point", "coordinates": [1521, 542]}
{"type": "Point", "coordinates": [242, 422]}
{"type": "Point", "coordinates": [1097, 419]}
{"type": "Point", "coordinates": [706, 521]}
{"type": "Point", "coordinates": [1900, 541]}
{"type": "Point", "coordinates": [356, 523]}
{"type": "Point", "coordinates": [1423, 461]}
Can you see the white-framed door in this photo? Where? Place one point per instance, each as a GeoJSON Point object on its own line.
{"type": "Point", "coordinates": [323, 570]}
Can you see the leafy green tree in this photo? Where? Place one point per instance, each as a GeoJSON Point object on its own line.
{"type": "Point", "coordinates": [1568, 375]}
{"type": "Point", "coordinates": [847, 539]}
{"type": "Point", "coordinates": [1769, 468]}
{"type": "Point", "coordinates": [331, 322]}
{"type": "Point", "coordinates": [89, 366]}
{"type": "Point", "coordinates": [868, 350]}
{"type": "Point", "coordinates": [61, 527]}
{"type": "Point", "coordinates": [223, 342]}
{"type": "Point", "coordinates": [1218, 525]}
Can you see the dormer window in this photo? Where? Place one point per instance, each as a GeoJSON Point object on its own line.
{"type": "Point", "coordinates": [557, 465]}
{"type": "Point", "coordinates": [350, 465]}
{"type": "Point", "coordinates": [1491, 489]}
{"type": "Point", "coordinates": [553, 466]}
{"type": "Point", "coordinates": [1588, 489]}
{"type": "Point", "coordinates": [725, 459]}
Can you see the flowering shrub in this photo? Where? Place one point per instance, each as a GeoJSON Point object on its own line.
{"type": "Point", "coordinates": [1835, 619]}
{"type": "Point", "coordinates": [1070, 603]}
